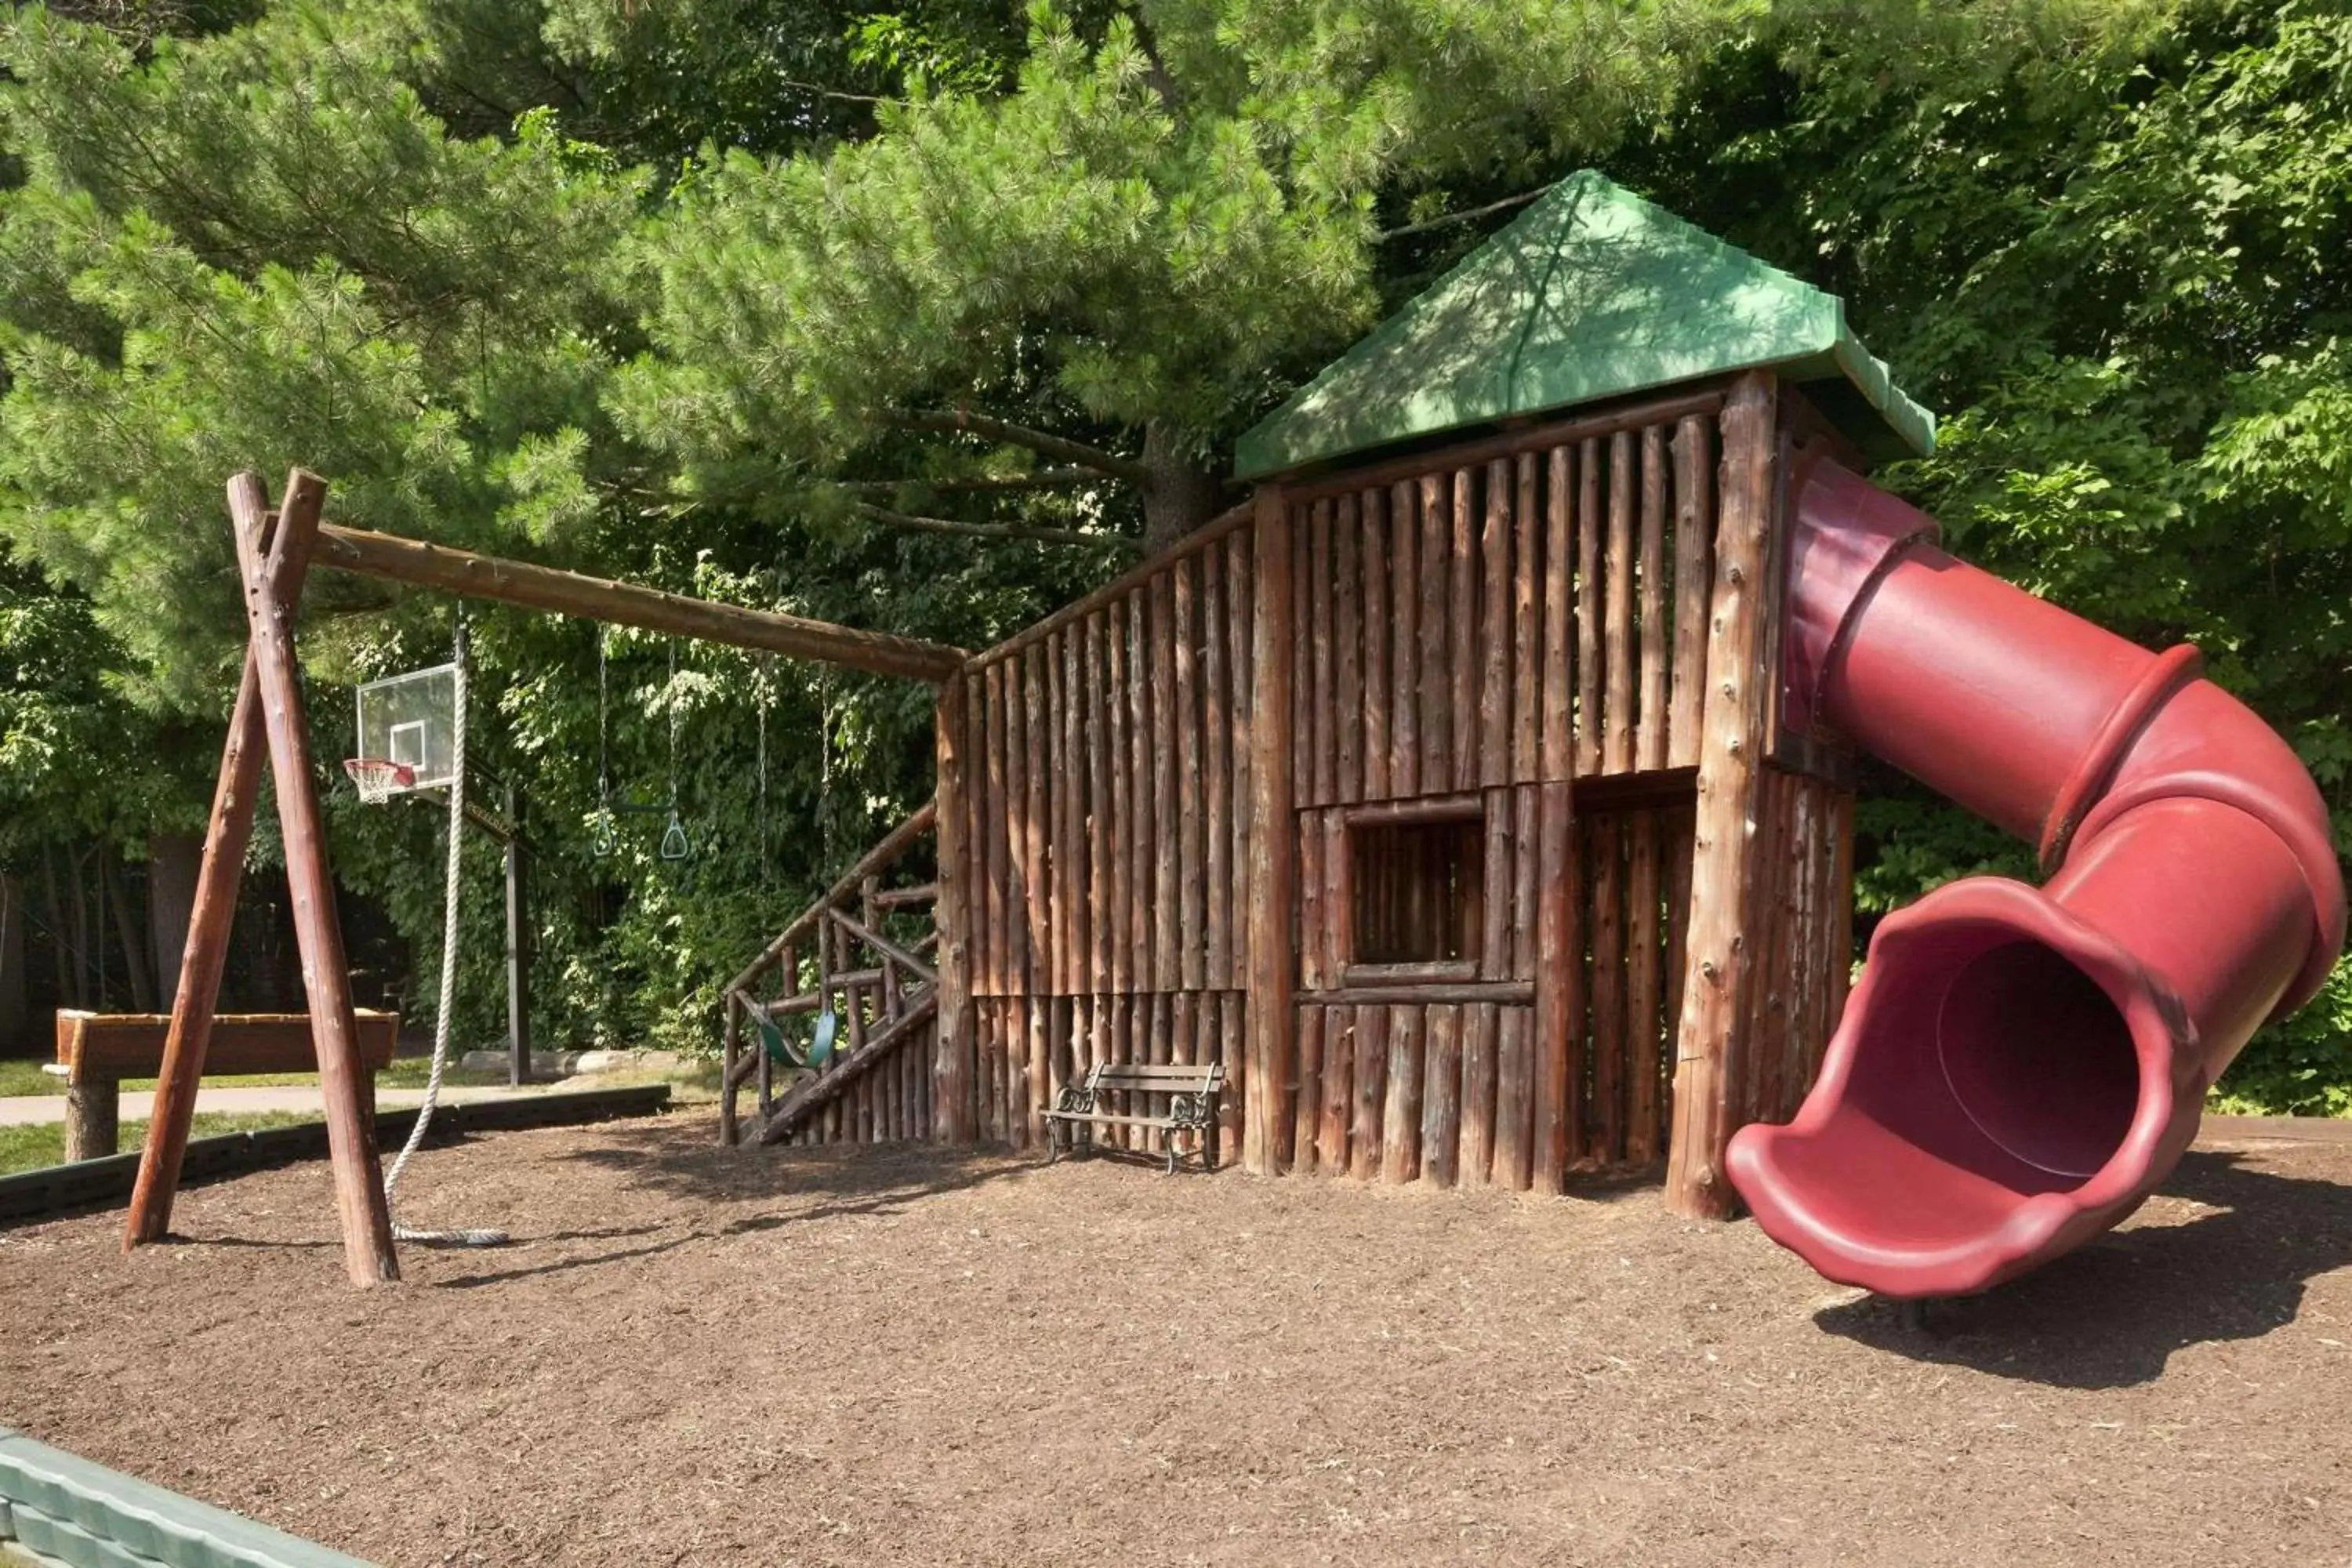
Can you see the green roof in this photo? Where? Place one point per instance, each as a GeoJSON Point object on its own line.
{"type": "Point", "coordinates": [1591, 293]}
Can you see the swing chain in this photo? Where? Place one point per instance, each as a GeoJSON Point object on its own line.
{"type": "Point", "coordinates": [603, 840]}
{"type": "Point", "coordinates": [675, 844]}
{"type": "Point", "coordinates": [764, 678]}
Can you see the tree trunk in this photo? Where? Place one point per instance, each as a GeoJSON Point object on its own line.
{"type": "Point", "coordinates": [136, 970]}
{"type": "Point", "coordinates": [1180, 491]}
{"type": "Point", "coordinates": [172, 862]}
{"type": "Point", "coordinates": [12, 968]}
{"type": "Point", "coordinates": [89, 980]}
{"type": "Point", "coordinates": [61, 962]}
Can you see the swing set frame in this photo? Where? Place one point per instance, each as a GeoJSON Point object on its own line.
{"type": "Point", "coordinates": [274, 551]}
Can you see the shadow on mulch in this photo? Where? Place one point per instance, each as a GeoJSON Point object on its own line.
{"type": "Point", "coordinates": [669, 1159]}
{"type": "Point", "coordinates": [851, 1180]}
{"type": "Point", "coordinates": [2111, 1314]}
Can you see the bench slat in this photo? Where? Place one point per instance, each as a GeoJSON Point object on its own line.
{"type": "Point", "coordinates": [1106, 1119]}
{"type": "Point", "coordinates": [1187, 1078]}
{"type": "Point", "coordinates": [1162, 1070]}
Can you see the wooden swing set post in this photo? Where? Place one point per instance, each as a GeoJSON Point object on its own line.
{"type": "Point", "coordinates": [270, 711]}
{"type": "Point", "coordinates": [368, 1254]}
{"type": "Point", "coordinates": [518, 934]}
{"type": "Point", "coordinates": [206, 952]}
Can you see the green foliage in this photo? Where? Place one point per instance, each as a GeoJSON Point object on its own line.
{"type": "Point", "coordinates": [2299, 1068]}
{"type": "Point", "coordinates": [2118, 269]}
{"type": "Point", "coordinates": [662, 293]}
{"type": "Point", "coordinates": [255, 250]}
{"type": "Point", "coordinates": [1166, 220]}
{"type": "Point", "coordinates": [65, 732]}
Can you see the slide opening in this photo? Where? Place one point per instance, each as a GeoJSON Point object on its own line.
{"type": "Point", "coordinates": [2040, 1058]}
{"type": "Point", "coordinates": [1986, 1063]}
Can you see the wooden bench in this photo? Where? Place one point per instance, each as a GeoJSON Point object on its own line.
{"type": "Point", "coordinates": [1191, 1091]}
{"type": "Point", "coordinates": [96, 1051]}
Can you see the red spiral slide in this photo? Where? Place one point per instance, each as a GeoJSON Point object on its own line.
{"type": "Point", "coordinates": [2018, 1066]}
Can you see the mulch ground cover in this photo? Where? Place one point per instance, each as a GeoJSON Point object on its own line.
{"type": "Point", "coordinates": [696, 1355]}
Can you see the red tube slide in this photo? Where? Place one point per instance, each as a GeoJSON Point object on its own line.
{"type": "Point", "coordinates": [2019, 1066]}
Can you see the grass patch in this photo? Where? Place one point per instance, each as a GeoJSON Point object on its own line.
{"type": "Point", "coordinates": [21, 1078]}
{"type": "Point", "coordinates": [696, 1083]}
{"type": "Point", "coordinates": [410, 1072]}
{"type": "Point", "coordinates": [30, 1148]}
{"type": "Point", "coordinates": [18, 1076]}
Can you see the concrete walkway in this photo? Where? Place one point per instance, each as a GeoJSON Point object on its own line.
{"type": "Point", "coordinates": [30, 1109]}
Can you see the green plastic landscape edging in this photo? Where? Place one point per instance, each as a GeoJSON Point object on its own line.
{"type": "Point", "coordinates": [101, 1182]}
{"type": "Point", "coordinates": [55, 1506]}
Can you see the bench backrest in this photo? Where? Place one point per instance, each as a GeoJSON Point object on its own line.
{"type": "Point", "coordinates": [1158, 1077]}
{"type": "Point", "coordinates": [131, 1045]}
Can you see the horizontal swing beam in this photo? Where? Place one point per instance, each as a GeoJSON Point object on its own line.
{"type": "Point", "coordinates": [473, 577]}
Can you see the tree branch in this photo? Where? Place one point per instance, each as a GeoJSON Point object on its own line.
{"type": "Point", "coordinates": [1425, 225]}
{"type": "Point", "coordinates": [1163, 80]}
{"type": "Point", "coordinates": [1043, 480]}
{"type": "Point", "coordinates": [990, 530]}
{"type": "Point", "coordinates": [815, 91]}
{"type": "Point", "coordinates": [954, 420]}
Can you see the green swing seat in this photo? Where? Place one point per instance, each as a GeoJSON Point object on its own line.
{"type": "Point", "coordinates": [780, 1049]}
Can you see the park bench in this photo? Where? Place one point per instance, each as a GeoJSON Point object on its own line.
{"type": "Point", "coordinates": [1190, 1090]}
{"type": "Point", "coordinates": [96, 1051]}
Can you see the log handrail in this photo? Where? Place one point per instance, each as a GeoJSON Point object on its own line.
{"type": "Point", "coordinates": [815, 1091]}
{"type": "Point", "coordinates": [890, 950]}
{"type": "Point", "coordinates": [901, 984]}
{"type": "Point", "coordinates": [879, 858]}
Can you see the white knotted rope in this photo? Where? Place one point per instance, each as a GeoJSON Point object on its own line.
{"type": "Point", "coordinates": [450, 891]}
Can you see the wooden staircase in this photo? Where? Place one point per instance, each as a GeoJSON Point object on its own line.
{"type": "Point", "coordinates": [863, 952]}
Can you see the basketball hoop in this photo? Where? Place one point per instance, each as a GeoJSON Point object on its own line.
{"type": "Point", "coordinates": [378, 780]}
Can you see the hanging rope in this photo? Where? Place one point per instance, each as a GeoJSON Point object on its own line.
{"type": "Point", "coordinates": [451, 887]}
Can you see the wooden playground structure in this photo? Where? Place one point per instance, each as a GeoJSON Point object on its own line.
{"type": "Point", "coordinates": [1442, 794]}
{"type": "Point", "coordinates": [1446, 793]}
{"type": "Point", "coordinates": [1308, 795]}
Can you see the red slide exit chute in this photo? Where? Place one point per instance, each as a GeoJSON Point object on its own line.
{"type": "Point", "coordinates": [2018, 1066]}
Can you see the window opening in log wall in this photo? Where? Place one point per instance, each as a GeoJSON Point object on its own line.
{"type": "Point", "coordinates": [1419, 893]}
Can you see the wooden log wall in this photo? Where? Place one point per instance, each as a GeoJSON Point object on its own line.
{"type": "Point", "coordinates": [1491, 738]}
{"type": "Point", "coordinates": [1524, 612]}
{"type": "Point", "coordinates": [1106, 836]}
{"type": "Point", "coordinates": [1512, 627]}
{"type": "Point", "coordinates": [1805, 885]}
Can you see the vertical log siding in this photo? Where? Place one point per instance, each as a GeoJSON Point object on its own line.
{"type": "Point", "coordinates": [1517, 628]}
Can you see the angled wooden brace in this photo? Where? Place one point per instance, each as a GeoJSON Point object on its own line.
{"type": "Point", "coordinates": [270, 713]}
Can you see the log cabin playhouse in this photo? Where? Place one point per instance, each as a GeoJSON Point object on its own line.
{"type": "Point", "coordinates": [1445, 792]}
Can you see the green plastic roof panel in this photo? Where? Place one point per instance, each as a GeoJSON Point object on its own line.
{"type": "Point", "coordinates": [1591, 293]}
